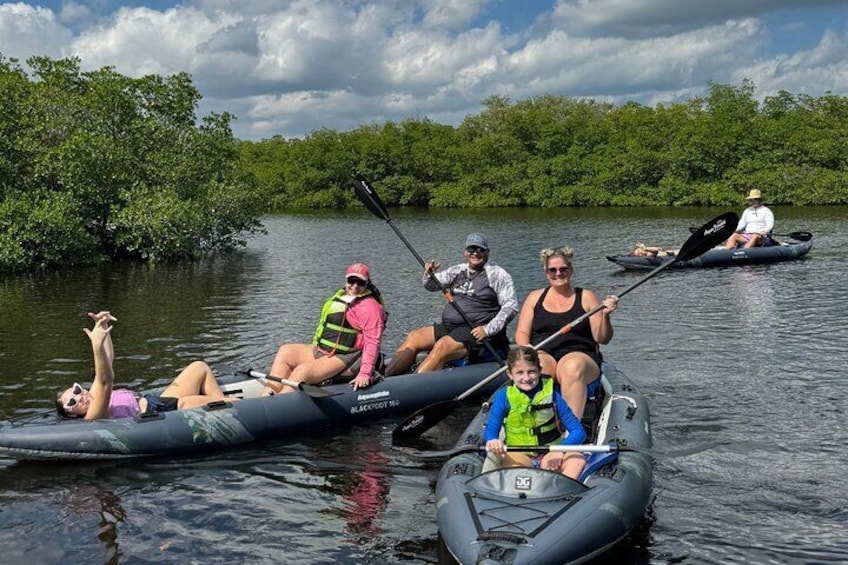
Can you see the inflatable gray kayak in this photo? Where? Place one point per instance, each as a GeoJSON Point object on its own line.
{"type": "Point", "coordinates": [487, 515]}
{"type": "Point", "coordinates": [721, 257]}
{"type": "Point", "coordinates": [224, 424]}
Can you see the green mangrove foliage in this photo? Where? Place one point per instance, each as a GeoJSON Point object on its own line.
{"type": "Point", "coordinates": [97, 166]}
{"type": "Point", "coordinates": [557, 151]}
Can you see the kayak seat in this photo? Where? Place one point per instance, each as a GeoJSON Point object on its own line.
{"type": "Point", "coordinates": [485, 356]}
{"type": "Point", "coordinates": [595, 461]}
{"type": "Point", "coordinates": [592, 411]}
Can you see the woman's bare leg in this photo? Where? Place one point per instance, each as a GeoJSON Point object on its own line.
{"type": "Point", "coordinates": [289, 356]}
{"type": "Point", "coordinates": [315, 371]}
{"type": "Point", "coordinates": [196, 379]}
{"type": "Point", "coordinates": [549, 364]}
{"type": "Point", "coordinates": [574, 372]}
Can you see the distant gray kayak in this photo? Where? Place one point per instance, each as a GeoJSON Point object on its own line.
{"type": "Point", "coordinates": [489, 515]}
{"type": "Point", "coordinates": [223, 424]}
{"type": "Point", "coordinates": [721, 257]}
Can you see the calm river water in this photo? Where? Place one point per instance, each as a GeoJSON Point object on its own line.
{"type": "Point", "coordinates": [752, 356]}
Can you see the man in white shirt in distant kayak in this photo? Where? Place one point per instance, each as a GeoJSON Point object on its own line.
{"type": "Point", "coordinates": [755, 225]}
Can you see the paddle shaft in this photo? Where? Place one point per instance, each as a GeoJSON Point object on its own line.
{"type": "Point", "coordinates": [311, 390]}
{"type": "Point", "coordinates": [471, 448]}
{"type": "Point", "coordinates": [586, 448]}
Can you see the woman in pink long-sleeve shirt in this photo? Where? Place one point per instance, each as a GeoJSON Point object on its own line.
{"type": "Point", "coordinates": [347, 341]}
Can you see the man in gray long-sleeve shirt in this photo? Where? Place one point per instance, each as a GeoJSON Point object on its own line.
{"type": "Point", "coordinates": [483, 291]}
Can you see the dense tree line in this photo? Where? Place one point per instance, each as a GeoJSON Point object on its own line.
{"type": "Point", "coordinates": [96, 166]}
{"type": "Point", "coordinates": [557, 151]}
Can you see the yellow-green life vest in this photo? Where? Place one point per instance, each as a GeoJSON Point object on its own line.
{"type": "Point", "coordinates": [334, 333]}
{"type": "Point", "coordinates": [531, 421]}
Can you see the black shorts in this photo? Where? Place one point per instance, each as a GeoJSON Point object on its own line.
{"type": "Point", "coordinates": [352, 361]}
{"type": "Point", "coordinates": [157, 404]}
{"type": "Point", "coordinates": [462, 334]}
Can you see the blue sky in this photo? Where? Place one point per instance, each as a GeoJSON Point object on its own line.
{"type": "Point", "coordinates": [291, 67]}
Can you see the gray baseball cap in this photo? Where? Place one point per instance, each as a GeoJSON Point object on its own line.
{"type": "Point", "coordinates": [477, 240]}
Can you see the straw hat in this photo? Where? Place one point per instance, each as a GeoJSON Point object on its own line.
{"type": "Point", "coordinates": [754, 194]}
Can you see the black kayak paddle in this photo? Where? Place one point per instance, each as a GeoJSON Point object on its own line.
{"type": "Point", "coordinates": [369, 197]}
{"type": "Point", "coordinates": [558, 448]}
{"type": "Point", "coordinates": [796, 235]}
{"type": "Point", "coordinates": [704, 238]}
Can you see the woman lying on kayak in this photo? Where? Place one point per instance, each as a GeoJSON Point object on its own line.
{"type": "Point", "coordinates": [195, 386]}
{"type": "Point", "coordinates": [347, 340]}
{"type": "Point", "coordinates": [642, 250]}
{"type": "Point", "coordinates": [532, 412]}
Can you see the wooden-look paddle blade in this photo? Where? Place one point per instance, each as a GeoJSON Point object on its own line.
{"type": "Point", "coordinates": [424, 419]}
{"type": "Point", "coordinates": [708, 236]}
{"type": "Point", "coordinates": [369, 197]}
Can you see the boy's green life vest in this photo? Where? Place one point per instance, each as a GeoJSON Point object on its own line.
{"type": "Point", "coordinates": [531, 421]}
{"type": "Point", "coordinates": [334, 333]}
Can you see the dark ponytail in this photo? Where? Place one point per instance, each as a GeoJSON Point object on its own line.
{"type": "Point", "coordinates": [376, 292]}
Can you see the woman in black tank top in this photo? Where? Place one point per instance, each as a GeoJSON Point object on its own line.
{"type": "Point", "coordinates": [575, 358]}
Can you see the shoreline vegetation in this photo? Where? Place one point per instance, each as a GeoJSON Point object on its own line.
{"type": "Point", "coordinates": [96, 166]}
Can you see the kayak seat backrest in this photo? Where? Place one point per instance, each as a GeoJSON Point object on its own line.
{"type": "Point", "coordinates": [592, 411]}
{"type": "Point", "coordinates": [485, 356]}
{"type": "Point", "coordinates": [248, 388]}
{"type": "Point", "coordinates": [595, 461]}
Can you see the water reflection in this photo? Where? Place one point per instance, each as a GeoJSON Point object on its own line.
{"type": "Point", "coordinates": [366, 494]}
{"type": "Point", "coordinates": [79, 502]}
{"type": "Point", "coordinates": [82, 513]}
{"type": "Point", "coordinates": [751, 291]}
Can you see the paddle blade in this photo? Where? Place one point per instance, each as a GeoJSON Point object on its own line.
{"type": "Point", "coordinates": [423, 420]}
{"type": "Point", "coordinates": [369, 197]}
{"type": "Point", "coordinates": [800, 235]}
{"type": "Point", "coordinates": [708, 236]}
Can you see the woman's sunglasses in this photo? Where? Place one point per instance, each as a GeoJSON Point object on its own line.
{"type": "Point", "coordinates": [354, 280]}
{"type": "Point", "coordinates": [553, 271]}
{"type": "Point", "coordinates": [76, 396]}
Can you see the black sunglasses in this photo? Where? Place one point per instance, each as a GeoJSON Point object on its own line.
{"type": "Point", "coordinates": [474, 250]}
{"type": "Point", "coordinates": [356, 280]}
{"type": "Point", "coordinates": [558, 270]}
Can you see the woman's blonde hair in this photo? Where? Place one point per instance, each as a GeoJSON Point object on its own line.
{"type": "Point", "coordinates": [566, 253]}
